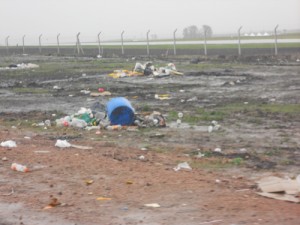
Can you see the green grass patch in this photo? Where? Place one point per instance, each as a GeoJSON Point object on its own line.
{"type": "Point", "coordinates": [255, 112]}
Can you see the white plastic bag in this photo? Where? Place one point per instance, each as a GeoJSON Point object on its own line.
{"type": "Point", "coordinates": [9, 144]}
{"type": "Point", "coordinates": [62, 144]}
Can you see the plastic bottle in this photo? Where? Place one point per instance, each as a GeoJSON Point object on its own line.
{"type": "Point", "coordinates": [19, 167]}
{"type": "Point", "coordinates": [114, 127]}
{"type": "Point", "coordinates": [78, 123]}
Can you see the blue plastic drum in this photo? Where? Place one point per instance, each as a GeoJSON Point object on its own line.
{"type": "Point", "coordinates": [120, 111]}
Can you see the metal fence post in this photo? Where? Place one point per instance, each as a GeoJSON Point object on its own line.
{"type": "Point", "coordinates": [23, 44]}
{"type": "Point", "coordinates": [40, 43]}
{"type": "Point", "coordinates": [239, 34]}
{"type": "Point", "coordinates": [174, 41]}
{"type": "Point", "coordinates": [57, 38]}
{"type": "Point", "coordinates": [205, 49]}
{"type": "Point", "coordinates": [99, 44]}
{"type": "Point", "coordinates": [275, 33]}
{"type": "Point", "coordinates": [6, 41]}
{"type": "Point", "coordinates": [148, 50]}
{"type": "Point", "coordinates": [122, 42]}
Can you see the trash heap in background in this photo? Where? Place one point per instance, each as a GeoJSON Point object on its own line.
{"type": "Point", "coordinates": [117, 115]}
{"type": "Point", "coordinates": [147, 69]}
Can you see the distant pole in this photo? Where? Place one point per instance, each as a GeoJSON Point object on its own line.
{"type": "Point", "coordinates": [6, 41]}
{"type": "Point", "coordinates": [57, 38]}
{"type": "Point", "coordinates": [23, 44]}
{"type": "Point", "coordinates": [239, 34]}
{"type": "Point", "coordinates": [122, 41]}
{"type": "Point", "coordinates": [275, 32]}
{"type": "Point", "coordinates": [40, 43]}
{"type": "Point", "coordinates": [77, 43]}
{"type": "Point", "coordinates": [205, 49]}
{"type": "Point", "coordinates": [174, 40]}
{"type": "Point", "coordinates": [148, 50]}
{"type": "Point", "coordinates": [99, 44]}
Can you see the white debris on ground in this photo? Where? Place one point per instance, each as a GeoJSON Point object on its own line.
{"type": "Point", "coordinates": [8, 144]}
{"type": "Point", "coordinates": [20, 66]}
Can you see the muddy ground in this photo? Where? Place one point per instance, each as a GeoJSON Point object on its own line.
{"type": "Point", "coordinates": [256, 102]}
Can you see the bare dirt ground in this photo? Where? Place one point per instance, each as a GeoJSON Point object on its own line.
{"type": "Point", "coordinates": [257, 104]}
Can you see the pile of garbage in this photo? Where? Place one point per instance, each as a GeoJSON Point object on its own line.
{"type": "Point", "coordinates": [147, 69]}
{"type": "Point", "coordinates": [117, 115]}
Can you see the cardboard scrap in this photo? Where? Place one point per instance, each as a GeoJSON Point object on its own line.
{"type": "Point", "coordinates": [280, 189]}
{"type": "Point", "coordinates": [283, 197]}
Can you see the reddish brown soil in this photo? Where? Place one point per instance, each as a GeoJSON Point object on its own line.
{"type": "Point", "coordinates": [185, 197]}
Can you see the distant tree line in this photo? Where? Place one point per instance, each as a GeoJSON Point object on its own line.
{"type": "Point", "coordinates": [193, 32]}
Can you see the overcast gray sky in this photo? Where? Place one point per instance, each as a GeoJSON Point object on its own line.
{"type": "Point", "coordinates": [49, 17]}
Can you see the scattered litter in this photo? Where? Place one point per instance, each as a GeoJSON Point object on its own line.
{"type": "Point", "coordinates": [129, 182]}
{"type": "Point", "coordinates": [193, 99]}
{"type": "Point", "coordinates": [101, 90]}
{"type": "Point", "coordinates": [56, 87]}
{"type": "Point", "coordinates": [114, 127]}
{"type": "Point", "coordinates": [141, 157]}
{"type": "Point", "coordinates": [145, 70]}
{"type": "Point", "coordinates": [20, 66]}
{"type": "Point", "coordinates": [214, 127]}
{"type": "Point", "coordinates": [200, 155]}
{"type": "Point", "coordinates": [154, 119]}
{"type": "Point", "coordinates": [280, 189]}
{"type": "Point", "coordinates": [89, 182]}
{"type": "Point", "coordinates": [53, 203]}
{"type": "Point", "coordinates": [157, 135]}
{"type": "Point", "coordinates": [152, 205]}
{"type": "Point", "coordinates": [19, 167]}
{"type": "Point", "coordinates": [183, 165]}
{"type": "Point", "coordinates": [218, 181]}
{"type": "Point", "coordinates": [62, 144]}
{"type": "Point", "coordinates": [243, 150]}
{"type": "Point", "coordinates": [66, 144]}
{"type": "Point", "coordinates": [180, 115]}
{"type": "Point", "coordinates": [42, 152]}
{"type": "Point", "coordinates": [218, 150]}
{"type": "Point", "coordinates": [86, 92]}
{"type": "Point", "coordinates": [4, 159]}
{"type": "Point", "coordinates": [103, 199]}
{"type": "Point", "coordinates": [162, 96]}
{"type": "Point", "coordinates": [98, 94]}
{"type": "Point", "coordinates": [144, 149]}
{"type": "Point", "coordinates": [9, 144]}
{"type": "Point", "coordinates": [10, 193]}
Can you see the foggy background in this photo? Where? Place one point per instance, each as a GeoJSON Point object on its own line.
{"type": "Point", "coordinates": [135, 17]}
